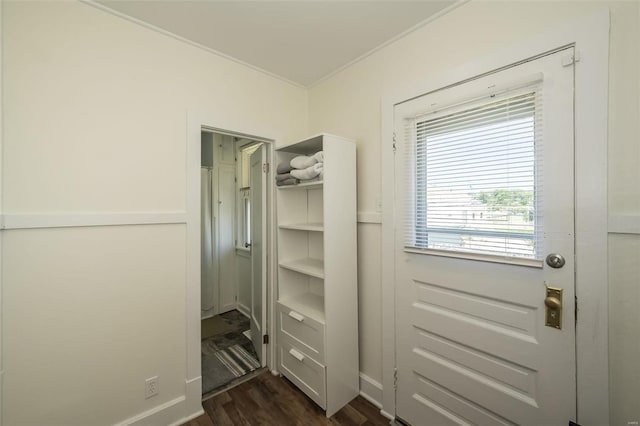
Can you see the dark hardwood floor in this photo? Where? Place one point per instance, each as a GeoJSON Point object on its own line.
{"type": "Point", "coordinates": [270, 400]}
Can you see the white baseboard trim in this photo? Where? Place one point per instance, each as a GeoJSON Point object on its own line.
{"type": "Point", "coordinates": [188, 418]}
{"type": "Point", "coordinates": [73, 220]}
{"type": "Point", "coordinates": [369, 217]}
{"type": "Point", "coordinates": [387, 415]}
{"type": "Point", "coordinates": [624, 224]}
{"type": "Point", "coordinates": [371, 390]}
{"type": "Point", "coordinates": [174, 412]}
{"type": "Point", "coordinates": [168, 413]}
{"type": "Point", "coordinates": [244, 310]}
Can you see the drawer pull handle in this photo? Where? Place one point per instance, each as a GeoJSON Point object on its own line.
{"type": "Point", "coordinates": [296, 316]}
{"type": "Point", "coordinates": [297, 355]}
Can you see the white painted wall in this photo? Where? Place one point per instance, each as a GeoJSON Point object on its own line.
{"type": "Point", "coordinates": [1, 219]}
{"type": "Point", "coordinates": [88, 95]}
{"type": "Point", "coordinates": [90, 313]}
{"type": "Point", "coordinates": [349, 104]}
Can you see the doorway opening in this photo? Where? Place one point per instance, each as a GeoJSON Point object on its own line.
{"type": "Point", "coordinates": [233, 270]}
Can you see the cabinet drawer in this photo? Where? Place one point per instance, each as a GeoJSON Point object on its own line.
{"type": "Point", "coordinates": [301, 331]}
{"type": "Point", "coordinates": [303, 371]}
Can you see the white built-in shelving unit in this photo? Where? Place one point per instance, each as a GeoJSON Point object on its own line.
{"type": "Point", "coordinates": [317, 309]}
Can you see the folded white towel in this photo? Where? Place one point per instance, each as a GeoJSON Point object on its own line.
{"type": "Point", "coordinates": [309, 172]}
{"type": "Point", "coordinates": [302, 161]}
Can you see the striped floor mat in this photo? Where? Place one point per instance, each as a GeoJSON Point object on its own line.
{"type": "Point", "coordinates": [237, 360]}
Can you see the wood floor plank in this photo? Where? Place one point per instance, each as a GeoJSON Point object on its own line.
{"type": "Point", "coordinates": [232, 412]}
{"type": "Point", "coordinates": [269, 400]}
{"type": "Point", "coordinates": [203, 420]}
{"type": "Point", "coordinates": [214, 409]}
{"type": "Point", "coordinates": [370, 411]}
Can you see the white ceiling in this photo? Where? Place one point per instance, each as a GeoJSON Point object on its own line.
{"type": "Point", "coordinates": [300, 41]}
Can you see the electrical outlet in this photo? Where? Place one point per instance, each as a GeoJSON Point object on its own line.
{"type": "Point", "coordinates": [152, 387]}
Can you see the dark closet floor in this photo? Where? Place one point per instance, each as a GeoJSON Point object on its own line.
{"type": "Point", "coordinates": [227, 354]}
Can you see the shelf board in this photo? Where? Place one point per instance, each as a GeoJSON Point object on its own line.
{"type": "Point", "coordinates": [303, 185]}
{"type": "Point", "coordinates": [316, 227]}
{"type": "Point", "coordinates": [306, 147]}
{"type": "Point", "coordinates": [307, 266]}
{"type": "Point", "coordinates": [308, 304]}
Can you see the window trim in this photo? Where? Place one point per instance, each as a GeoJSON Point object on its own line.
{"type": "Point", "coordinates": [505, 92]}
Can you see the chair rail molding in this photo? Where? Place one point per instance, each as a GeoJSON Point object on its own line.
{"type": "Point", "coordinates": [624, 224]}
{"type": "Point", "coordinates": [72, 220]}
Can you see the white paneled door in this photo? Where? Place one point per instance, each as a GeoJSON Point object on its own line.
{"type": "Point", "coordinates": [484, 192]}
{"type": "Point", "coordinates": [258, 214]}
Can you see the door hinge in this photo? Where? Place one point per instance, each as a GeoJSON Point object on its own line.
{"type": "Point", "coordinates": [395, 378]}
{"type": "Point", "coordinates": [265, 339]}
{"type": "Point", "coordinates": [575, 312]}
{"type": "Point", "coordinates": [394, 142]}
{"type": "Point", "coordinates": [569, 60]}
{"type": "Point", "coordinates": [265, 167]}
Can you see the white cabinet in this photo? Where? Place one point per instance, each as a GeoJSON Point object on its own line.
{"type": "Point", "coordinates": [317, 310]}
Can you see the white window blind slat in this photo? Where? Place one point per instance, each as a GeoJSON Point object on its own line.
{"type": "Point", "coordinates": [471, 177]}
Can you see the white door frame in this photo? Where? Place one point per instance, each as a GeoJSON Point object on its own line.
{"type": "Point", "coordinates": [590, 35]}
{"type": "Point", "coordinates": [196, 121]}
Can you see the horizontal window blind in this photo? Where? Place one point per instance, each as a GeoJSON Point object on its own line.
{"type": "Point", "coordinates": [472, 177]}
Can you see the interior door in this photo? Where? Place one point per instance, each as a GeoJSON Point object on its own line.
{"type": "Point", "coordinates": [472, 344]}
{"type": "Point", "coordinates": [258, 214]}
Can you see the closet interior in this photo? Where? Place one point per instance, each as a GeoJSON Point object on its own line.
{"type": "Point", "coordinates": [226, 267]}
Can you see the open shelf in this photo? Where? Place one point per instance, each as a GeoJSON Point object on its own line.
{"type": "Point", "coordinates": [303, 185]}
{"type": "Point", "coordinates": [315, 227]}
{"type": "Point", "coordinates": [317, 272]}
{"type": "Point", "coordinates": [308, 304]}
{"type": "Point", "coordinates": [307, 266]}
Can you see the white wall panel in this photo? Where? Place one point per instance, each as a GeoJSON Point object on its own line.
{"type": "Point", "coordinates": [92, 313]}
{"type": "Point", "coordinates": [369, 299]}
{"type": "Point", "coordinates": [96, 111]}
{"type": "Point", "coordinates": [624, 110]}
{"type": "Point", "coordinates": [226, 237]}
{"type": "Point", "coordinates": [624, 337]}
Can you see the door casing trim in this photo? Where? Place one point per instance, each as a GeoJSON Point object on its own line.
{"type": "Point", "coordinates": [196, 122]}
{"type": "Point", "coordinates": [590, 36]}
